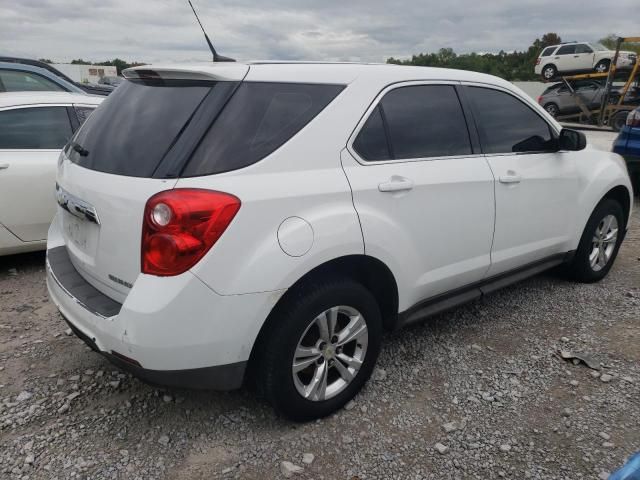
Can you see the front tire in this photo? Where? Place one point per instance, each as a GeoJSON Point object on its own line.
{"type": "Point", "coordinates": [599, 243]}
{"type": "Point", "coordinates": [320, 349]}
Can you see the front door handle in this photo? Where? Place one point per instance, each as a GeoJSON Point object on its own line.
{"type": "Point", "coordinates": [510, 177]}
{"type": "Point", "coordinates": [4, 166]}
{"type": "Point", "coordinates": [396, 184]}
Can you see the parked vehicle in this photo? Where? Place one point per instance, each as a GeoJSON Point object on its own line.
{"type": "Point", "coordinates": [579, 57]}
{"type": "Point", "coordinates": [25, 78]}
{"type": "Point", "coordinates": [627, 144]}
{"type": "Point", "coordinates": [84, 87]}
{"type": "Point", "coordinates": [559, 100]}
{"type": "Point", "coordinates": [34, 126]}
{"type": "Point", "coordinates": [268, 221]}
{"type": "Point", "coordinates": [111, 81]}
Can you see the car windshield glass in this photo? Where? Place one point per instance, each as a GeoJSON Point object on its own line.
{"type": "Point", "coordinates": [599, 47]}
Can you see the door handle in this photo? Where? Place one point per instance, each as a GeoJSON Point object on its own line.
{"type": "Point", "coordinates": [510, 177]}
{"type": "Point", "coordinates": [4, 166]}
{"type": "Point", "coordinates": [396, 184]}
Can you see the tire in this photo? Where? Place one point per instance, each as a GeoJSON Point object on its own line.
{"type": "Point", "coordinates": [295, 328]}
{"type": "Point", "coordinates": [549, 72]}
{"type": "Point", "coordinates": [619, 120]}
{"type": "Point", "coordinates": [582, 268]}
{"type": "Point", "coordinates": [602, 66]}
{"type": "Point", "coordinates": [552, 109]}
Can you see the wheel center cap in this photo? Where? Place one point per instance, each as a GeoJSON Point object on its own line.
{"type": "Point", "coordinates": [329, 352]}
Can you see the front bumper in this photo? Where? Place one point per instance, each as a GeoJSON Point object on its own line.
{"type": "Point", "coordinates": [172, 331]}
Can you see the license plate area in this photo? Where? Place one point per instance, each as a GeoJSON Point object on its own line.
{"type": "Point", "coordinates": [81, 237]}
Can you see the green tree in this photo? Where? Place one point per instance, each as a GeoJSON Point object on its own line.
{"type": "Point", "coordinates": [45, 60]}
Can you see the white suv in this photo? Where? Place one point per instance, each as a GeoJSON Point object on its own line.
{"type": "Point", "coordinates": [579, 57]}
{"type": "Point", "coordinates": [266, 222]}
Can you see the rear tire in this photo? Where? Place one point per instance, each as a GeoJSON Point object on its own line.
{"type": "Point", "coordinates": [295, 353]}
{"type": "Point", "coordinates": [552, 109]}
{"type": "Point", "coordinates": [619, 120]}
{"type": "Point", "coordinates": [602, 66]}
{"type": "Point", "coordinates": [549, 72]}
{"type": "Point", "coordinates": [599, 243]}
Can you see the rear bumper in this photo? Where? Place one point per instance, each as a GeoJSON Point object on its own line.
{"type": "Point", "coordinates": [173, 331]}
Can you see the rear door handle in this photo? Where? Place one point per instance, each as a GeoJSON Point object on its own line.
{"type": "Point", "coordinates": [396, 184]}
{"type": "Point", "coordinates": [4, 166]}
{"type": "Point", "coordinates": [511, 177]}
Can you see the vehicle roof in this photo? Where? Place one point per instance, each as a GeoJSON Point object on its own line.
{"type": "Point", "coordinates": [313, 72]}
{"type": "Point", "coordinates": [12, 99]}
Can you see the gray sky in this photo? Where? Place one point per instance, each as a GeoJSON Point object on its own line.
{"type": "Point", "coordinates": [165, 30]}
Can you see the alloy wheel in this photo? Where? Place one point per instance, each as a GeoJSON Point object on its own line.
{"type": "Point", "coordinates": [603, 242]}
{"type": "Point", "coordinates": [549, 72]}
{"type": "Point", "coordinates": [330, 353]}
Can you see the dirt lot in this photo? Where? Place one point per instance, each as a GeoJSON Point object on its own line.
{"type": "Point", "coordinates": [484, 382]}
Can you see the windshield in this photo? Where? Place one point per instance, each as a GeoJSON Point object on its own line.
{"type": "Point", "coordinates": [599, 47]}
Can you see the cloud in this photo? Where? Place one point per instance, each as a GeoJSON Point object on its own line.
{"type": "Point", "coordinates": [165, 30]}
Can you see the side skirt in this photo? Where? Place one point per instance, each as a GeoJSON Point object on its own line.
{"type": "Point", "coordinates": [455, 298]}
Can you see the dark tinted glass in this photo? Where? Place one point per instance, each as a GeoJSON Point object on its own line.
{"type": "Point", "coordinates": [135, 126]}
{"type": "Point", "coordinates": [18, 81]}
{"type": "Point", "coordinates": [371, 143]}
{"type": "Point", "coordinates": [258, 119]}
{"type": "Point", "coordinates": [425, 121]}
{"type": "Point", "coordinates": [582, 48]}
{"type": "Point", "coordinates": [547, 51]}
{"type": "Point", "coordinates": [566, 50]}
{"type": "Point", "coordinates": [506, 124]}
{"type": "Point", "coordinates": [83, 113]}
{"type": "Point", "coordinates": [34, 128]}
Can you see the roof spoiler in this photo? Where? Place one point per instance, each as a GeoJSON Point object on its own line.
{"type": "Point", "coordinates": [221, 72]}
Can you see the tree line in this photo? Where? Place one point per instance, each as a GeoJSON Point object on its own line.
{"type": "Point", "coordinates": [508, 65]}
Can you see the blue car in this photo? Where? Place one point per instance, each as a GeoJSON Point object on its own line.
{"type": "Point", "coordinates": [628, 145]}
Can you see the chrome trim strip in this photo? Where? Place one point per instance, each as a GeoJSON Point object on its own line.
{"type": "Point", "coordinates": [75, 206]}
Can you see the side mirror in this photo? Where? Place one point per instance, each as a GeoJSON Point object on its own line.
{"type": "Point", "coordinates": [572, 140]}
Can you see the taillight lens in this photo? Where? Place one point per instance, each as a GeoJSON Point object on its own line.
{"type": "Point", "coordinates": [181, 225]}
{"type": "Point", "coordinates": [537, 61]}
{"type": "Point", "coordinates": [633, 119]}
{"type": "Point", "coordinates": [540, 99]}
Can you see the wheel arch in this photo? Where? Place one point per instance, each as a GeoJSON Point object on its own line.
{"type": "Point", "coordinates": [622, 195]}
{"type": "Point", "coordinates": [371, 272]}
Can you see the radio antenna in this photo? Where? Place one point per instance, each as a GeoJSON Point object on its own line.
{"type": "Point", "coordinates": [216, 57]}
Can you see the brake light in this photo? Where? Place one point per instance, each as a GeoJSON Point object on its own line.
{"type": "Point", "coordinates": [537, 61]}
{"type": "Point", "coordinates": [540, 99]}
{"type": "Point", "coordinates": [180, 226]}
{"type": "Point", "coordinates": [633, 119]}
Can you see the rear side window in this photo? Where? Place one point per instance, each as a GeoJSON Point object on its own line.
{"type": "Point", "coordinates": [566, 50]}
{"type": "Point", "coordinates": [507, 124]}
{"type": "Point", "coordinates": [34, 128]}
{"type": "Point", "coordinates": [371, 143]}
{"type": "Point", "coordinates": [259, 118]}
{"type": "Point", "coordinates": [136, 125]}
{"type": "Point", "coordinates": [547, 51]}
{"type": "Point", "coordinates": [18, 81]}
{"type": "Point", "coordinates": [83, 113]}
{"type": "Point", "coordinates": [582, 48]}
{"type": "Point", "coordinates": [421, 121]}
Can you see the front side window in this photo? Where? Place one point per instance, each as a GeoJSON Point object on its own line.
{"type": "Point", "coordinates": [421, 121]}
{"type": "Point", "coordinates": [582, 48]}
{"type": "Point", "coordinates": [567, 50]}
{"type": "Point", "coordinates": [507, 125]}
{"type": "Point", "coordinates": [19, 81]}
{"type": "Point", "coordinates": [34, 128]}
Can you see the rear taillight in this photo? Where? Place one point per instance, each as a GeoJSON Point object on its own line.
{"type": "Point", "coordinates": [181, 225]}
{"type": "Point", "coordinates": [537, 61]}
{"type": "Point", "coordinates": [540, 99]}
{"type": "Point", "coordinates": [633, 119]}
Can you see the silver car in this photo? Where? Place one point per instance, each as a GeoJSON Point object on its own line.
{"type": "Point", "coordinates": [558, 100]}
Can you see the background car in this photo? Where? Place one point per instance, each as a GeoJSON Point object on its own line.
{"type": "Point", "coordinates": [34, 126]}
{"type": "Point", "coordinates": [627, 144]}
{"type": "Point", "coordinates": [111, 81]}
{"type": "Point", "coordinates": [579, 57]}
{"type": "Point", "coordinates": [27, 78]}
{"type": "Point", "coordinates": [558, 100]}
{"type": "Point", "coordinates": [85, 87]}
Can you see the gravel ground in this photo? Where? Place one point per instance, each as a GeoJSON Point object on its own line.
{"type": "Point", "coordinates": [479, 392]}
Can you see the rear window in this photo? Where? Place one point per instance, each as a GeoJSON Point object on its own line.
{"type": "Point", "coordinates": [547, 51]}
{"type": "Point", "coordinates": [259, 118]}
{"type": "Point", "coordinates": [159, 128]}
{"type": "Point", "coordinates": [135, 126]}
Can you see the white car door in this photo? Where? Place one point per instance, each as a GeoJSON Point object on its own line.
{"type": "Point", "coordinates": [423, 192]}
{"type": "Point", "coordinates": [30, 142]}
{"type": "Point", "coordinates": [583, 57]}
{"type": "Point", "coordinates": [536, 186]}
{"type": "Point", "coordinates": [565, 60]}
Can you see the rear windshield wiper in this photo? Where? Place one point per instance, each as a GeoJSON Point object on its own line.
{"type": "Point", "coordinates": [83, 152]}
